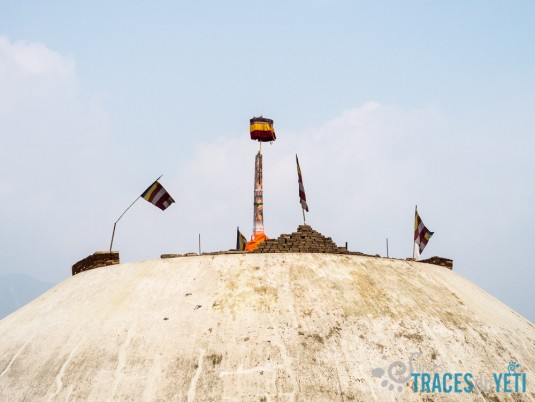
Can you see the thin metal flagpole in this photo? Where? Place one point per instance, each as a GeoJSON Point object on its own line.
{"type": "Point", "coordinates": [387, 256]}
{"type": "Point", "coordinates": [115, 224]}
{"type": "Point", "coordinates": [304, 220]}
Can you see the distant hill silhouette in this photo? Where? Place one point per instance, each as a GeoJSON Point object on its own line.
{"type": "Point", "coordinates": [18, 289]}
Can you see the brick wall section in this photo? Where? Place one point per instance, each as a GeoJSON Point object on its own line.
{"type": "Point", "coordinates": [443, 262]}
{"type": "Point", "coordinates": [97, 260]}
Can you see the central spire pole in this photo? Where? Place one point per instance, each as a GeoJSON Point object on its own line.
{"type": "Point", "coordinates": [258, 218]}
{"type": "Point", "coordinates": [261, 131]}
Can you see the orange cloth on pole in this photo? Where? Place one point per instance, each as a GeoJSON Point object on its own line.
{"type": "Point", "coordinates": [255, 241]}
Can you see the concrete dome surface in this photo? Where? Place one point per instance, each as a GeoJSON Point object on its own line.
{"type": "Point", "coordinates": [258, 327]}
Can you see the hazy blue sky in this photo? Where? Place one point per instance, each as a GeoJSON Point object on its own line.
{"type": "Point", "coordinates": [388, 104]}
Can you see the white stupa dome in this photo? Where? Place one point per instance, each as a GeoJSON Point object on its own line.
{"type": "Point", "coordinates": [258, 327]}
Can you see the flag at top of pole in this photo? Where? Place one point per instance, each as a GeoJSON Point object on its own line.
{"type": "Point", "coordinates": [262, 129]}
{"type": "Point", "coordinates": [421, 235]}
{"type": "Point", "coordinates": [158, 196]}
{"type": "Point", "coordinates": [302, 196]}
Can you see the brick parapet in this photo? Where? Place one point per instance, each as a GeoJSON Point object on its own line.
{"type": "Point", "coordinates": [96, 260]}
{"type": "Point", "coordinates": [443, 262]}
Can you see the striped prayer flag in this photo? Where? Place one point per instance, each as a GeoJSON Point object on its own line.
{"type": "Point", "coordinates": [262, 129]}
{"type": "Point", "coordinates": [421, 234]}
{"type": "Point", "coordinates": [241, 240]}
{"type": "Point", "coordinates": [158, 196]}
{"type": "Point", "coordinates": [302, 196]}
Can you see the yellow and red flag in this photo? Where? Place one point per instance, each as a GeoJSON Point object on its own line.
{"type": "Point", "coordinates": [262, 129]}
{"type": "Point", "coordinates": [157, 195]}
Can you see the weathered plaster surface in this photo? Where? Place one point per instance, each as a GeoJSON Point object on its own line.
{"type": "Point", "coordinates": [256, 327]}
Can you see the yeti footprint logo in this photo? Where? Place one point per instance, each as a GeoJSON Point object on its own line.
{"type": "Point", "coordinates": [513, 366]}
{"type": "Point", "coordinates": [398, 373]}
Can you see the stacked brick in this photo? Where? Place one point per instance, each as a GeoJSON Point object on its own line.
{"type": "Point", "coordinates": [443, 262]}
{"type": "Point", "coordinates": [305, 240]}
{"type": "Point", "coordinates": [97, 260]}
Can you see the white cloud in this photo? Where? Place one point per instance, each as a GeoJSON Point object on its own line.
{"type": "Point", "coordinates": [54, 144]}
{"type": "Point", "coordinates": [25, 58]}
{"type": "Point", "coordinates": [29, 74]}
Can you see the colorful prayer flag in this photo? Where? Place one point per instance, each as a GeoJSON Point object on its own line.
{"type": "Point", "coordinates": [302, 196]}
{"type": "Point", "coordinates": [421, 234]}
{"type": "Point", "coordinates": [241, 240]}
{"type": "Point", "coordinates": [262, 129]}
{"type": "Point", "coordinates": [158, 196]}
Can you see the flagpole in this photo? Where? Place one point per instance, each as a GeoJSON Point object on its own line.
{"type": "Point", "coordinates": [304, 220]}
{"type": "Point", "coordinates": [115, 224]}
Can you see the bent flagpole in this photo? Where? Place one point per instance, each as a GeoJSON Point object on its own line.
{"type": "Point", "coordinates": [115, 224]}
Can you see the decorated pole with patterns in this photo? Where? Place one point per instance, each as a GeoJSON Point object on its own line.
{"type": "Point", "coordinates": [258, 218]}
{"type": "Point", "coordinates": [261, 130]}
